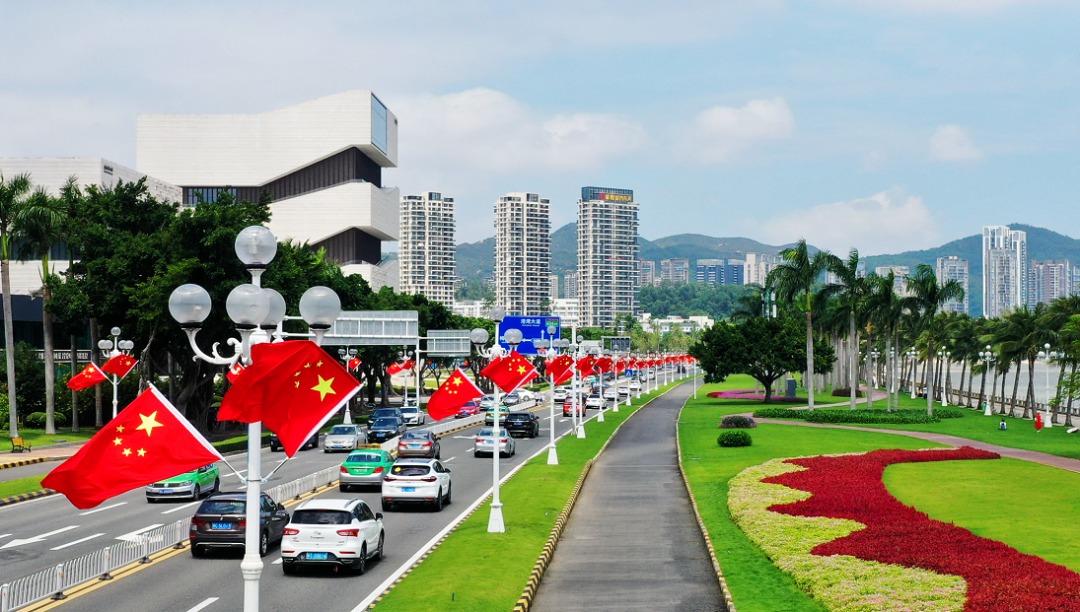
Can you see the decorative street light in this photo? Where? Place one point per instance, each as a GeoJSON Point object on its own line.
{"type": "Point", "coordinates": [597, 353]}
{"type": "Point", "coordinates": [250, 307]}
{"type": "Point", "coordinates": [989, 357]}
{"type": "Point", "coordinates": [553, 454]}
{"type": "Point", "coordinates": [913, 355]}
{"type": "Point", "coordinates": [1048, 355]}
{"type": "Point", "coordinates": [577, 416]}
{"type": "Point", "coordinates": [110, 349]}
{"type": "Point", "coordinates": [346, 356]}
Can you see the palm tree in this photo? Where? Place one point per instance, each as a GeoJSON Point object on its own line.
{"type": "Point", "coordinates": [885, 309]}
{"type": "Point", "coordinates": [793, 279]}
{"type": "Point", "coordinates": [851, 292]}
{"type": "Point", "coordinates": [927, 298]}
{"type": "Point", "coordinates": [1058, 314]}
{"type": "Point", "coordinates": [13, 197]}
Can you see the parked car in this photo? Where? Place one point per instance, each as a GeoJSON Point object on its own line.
{"type": "Point", "coordinates": [469, 409]}
{"type": "Point", "coordinates": [332, 532]}
{"type": "Point", "coordinates": [526, 395]}
{"type": "Point", "coordinates": [276, 445]}
{"type": "Point", "coordinates": [523, 423]}
{"type": "Point", "coordinates": [414, 416]}
{"type": "Point", "coordinates": [485, 443]}
{"type": "Point", "coordinates": [385, 429]}
{"type": "Point", "coordinates": [191, 485]}
{"type": "Point", "coordinates": [364, 467]}
{"type": "Point", "coordinates": [594, 401]}
{"type": "Point", "coordinates": [419, 443]}
{"type": "Point", "coordinates": [344, 438]}
{"type": "Point", "coordinates": [383, 413]}
{"type": "Point", "coordinates": [511, 399]}
{"type": "Point", "coordinates": [424, 481]}
{"type": "Point", "coordinates": [220, 522]}
{"type": "Point", "coordinates": [489, 415]}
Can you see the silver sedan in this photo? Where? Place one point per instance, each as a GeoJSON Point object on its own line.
{"type": "Point", "coordinates": [344, 438]}
{"type": "Point", "coordinates": [485, 443]}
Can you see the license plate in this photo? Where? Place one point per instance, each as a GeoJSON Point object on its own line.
{"type": "Point", "coordinates": [164, 491]}
{"type": "Point", "coordinates": [414, 446]}
{"type": "Point", "coordinates": [220, 525]}
{"type": "Point", "coordinates": [318, 556]}
{"type": "Point", "coordinates": [409, 489]}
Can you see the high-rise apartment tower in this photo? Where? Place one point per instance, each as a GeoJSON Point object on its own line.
{"type": "Point", "coordinates": [1005, 270]}
{"type": "Point", "coordinates": [957, 269]}
{"type": "Point", "coordinates": [607, 255]}
{"type": "Point", "coordinates": [522, 253]}
{"type": "Point", "coordinates": [426, 249]}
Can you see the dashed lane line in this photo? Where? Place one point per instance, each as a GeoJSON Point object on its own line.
{"type": "Point", "coordinates": [179, 508]}
{"type": "Point", "coordinates": [132, 536]}
{"type": "Point", "coordinates": [96, 510]}
{"type": "Point", "coordinates": [203, 604]}
{"type": "Point", "coordinates": [79, 541]}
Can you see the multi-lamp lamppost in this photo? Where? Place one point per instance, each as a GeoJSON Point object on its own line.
{"type": "Point", "coordinates": [1048, 355]}
{"type": "Point", "coordinates": [989, 357]}
{"type": "Point", "coordinates": [256, 312]}
{"type": "Point", "coordinates": [347, 356]}
{"type": "Point", "coordinates": [112, 348]}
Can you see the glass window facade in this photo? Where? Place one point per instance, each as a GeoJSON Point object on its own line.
{"type": "Point", "coordinates": [378, 124]}
{"type": "Point", "coordinates": [196, 195]}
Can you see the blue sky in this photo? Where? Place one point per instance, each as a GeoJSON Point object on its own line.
{"type": "Point", "coordinates": [879, 124]}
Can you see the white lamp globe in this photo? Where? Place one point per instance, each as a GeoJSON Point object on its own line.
{"type": "Point", "coordinates": [513, 337]}
{"type": "Point", "coordinates": [478, 335]}
{"type": "Point", "coordinates": [247, 306]}
{"type": "Point", "coordinates": [255, 246]}
{"type": "Point", "coordinates": [320, 307]}
{"type": "Point", "coordinates": [190, 305]}
{"type": "Point", "coordinates": [276, 313]}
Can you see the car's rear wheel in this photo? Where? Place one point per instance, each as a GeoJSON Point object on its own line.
{"type": "Point", "coordinates": [379, 551]}
{"type": "Point", "coordinates": [264, 544]}
{"type": "Point", "coordinates": [361, 564]}
{"type": "Point", "coordinates": [197, 551]}
{"type": "Point", "coordinates": [438, 503]}
{"type": "Point", "coordinates": [288, 568]}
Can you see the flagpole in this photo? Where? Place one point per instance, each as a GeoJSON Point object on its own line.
{"type": "Point", "coordinates": [553, 455]}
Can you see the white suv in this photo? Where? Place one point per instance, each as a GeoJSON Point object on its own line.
{"type": "Point", "coordinates": [424, 481]}
{"type": "Point", "coordinates": [414, 417]}
{"type": "Point", "coordinates": [338, 532]}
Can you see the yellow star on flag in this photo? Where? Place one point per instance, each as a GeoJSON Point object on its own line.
{"type": "Point", "coordinates": [126, 452]}
{"type": "Point", "coordinates": [457, 381]}
{"type": "Point", "coordinates": [116, 442]}
{"type": "Point", "coordinates": [521, 369]}
{"type": "Point", "coordinates": [324, 387]}
{"type": "Point", "coordinates": [307, 365]}
{"type": "Point", "coordinates": [318, 365]}
{"type": "Point", "coordinates": [142, 452]}
{"type": "Point", "coordinates": [120, 428]}
{"type": "Point", "coordinates": [298, 384]}
{"type": "Point", "coordinates": [148, 423]}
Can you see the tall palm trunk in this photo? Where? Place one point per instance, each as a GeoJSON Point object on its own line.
{"type": "Point", "coordinates": [1068, 407]}
{"type": "Point", "coordinates": [982, 389]}
{"type": "Point", "coordinates": [971, 382]}
{"type": "Point", "coordinates": [1016, 387]}
{"type": "Point", "coordinates": [809, 355]}
{"type": "Point", "coordinates": [993, 391]}
{"type": "Point", "coordinates": [50, 365]}
{"type": "Point", "coordinates": [99, 415]}
{"type": "Point", "coordinates": [888, 372]}
{"type": "Point", "coordinates": [74, 394]}
{"type": "Point", "coordinates": [930, 379]}
{"type": "Point", "coordinates": [1029, 403]}
{"type": "Point", "coordinates": [9, 341]}
{"type": "Point", "coordinates": [853, 358]}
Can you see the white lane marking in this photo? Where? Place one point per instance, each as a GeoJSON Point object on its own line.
{"type": "Point", "coordinates": [4, 535]}
{"type": "Point", "coordinates": [278, 562]}
{"type": "Point", "coordinates": [131, 537]}
{"type": "Point", "coordinates": [179, 508]}
{"type": "Point", "coordinates": [37, 538]}
{"type": "Point", "coordinates": [449, 460]}
{"type": "Point", "coordinates": [79, 541]}
{"type": "Point", "coordinates": [102, 509]}
{"type": "Point", "coordinates": [237, 473]}
{"type": "Point", "coordinates": [206, 602]}
{"type": "Point", "coordinates": [471, 449]}
{"type": "Point", "coordinates": [461, 437]}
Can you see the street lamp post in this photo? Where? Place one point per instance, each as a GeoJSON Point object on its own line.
{"type": "Point", "coordinates": [110, 349]}
{"type": "Point", "coordinates": [1048, 355]}
{"type": "Point", "coordinates": [553, 454]}
{"type": "Point", "coordinates": [251, 307]}
{"type": "Point", "coordinates": [346, 357]}
{"type": "Point", "coordinates": [913, 356]}
{"type": "Point", "coordinates": [989, 357]}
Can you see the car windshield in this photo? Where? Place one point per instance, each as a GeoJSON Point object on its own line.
{"type": "Point", "coordinates": [222, 506]}
{"type": "Point", "coordinates": [410, 470]}
{"type": "Point", "coordinates": [321, 517]}
{"type": "Point", "coordinates": [410, 410]}
{"type": "Point", "coordinates": [488, 432]}
{"type": "Point", "coordinates": [342, 430]}
{"type": "Point", "coordinates": [384, 424]}
{"type": "Point", "coordinates": [364, 458]}
{"type": "Point", "coordinates": [518, 417]}
{"type": "Point", "coordinates": [418, 435]}
{"type": "Point", "coordinates": [385, 412]}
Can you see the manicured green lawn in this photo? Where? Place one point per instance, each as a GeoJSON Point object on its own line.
{"type": "Point", "coordinates": [20, 486]}
{"type": "Point", "coordinates": [474, 570]}
{"type": "Point", "coordinates": [743, 381]}
{"type": "Point", "coordinates": [37, 437]}
{"type": "Point", "coordinates": [996, 500]}
{"type": "Point", "coordinates": [756, 584]}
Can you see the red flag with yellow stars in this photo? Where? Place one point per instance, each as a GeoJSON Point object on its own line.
{"type": "Point", "coordinates": [90, 376]}
{"type": "Point", "coordinates": [561, 369]}
{"type": "Point", "coordinates": [585, 365]}
{"type": "Point", "coordinates": [234, 372]}
{"type": "Point", "coordinates": [510, 372]}
{"type": "Point", "coordinates": [120, 365]}
{"type": "Point", "coordinates": [457, 391]}
{"type": "Point", "coordinates": [292, 387]}
{"type": "Point", "coordinates": [147, 442]}
{"type": "Point", "coordinates": [604, 364]}
{"type": "Point", "coordinates": [354, 363]}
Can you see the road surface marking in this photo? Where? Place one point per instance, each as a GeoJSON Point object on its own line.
{"type": "Point", "coordinates": [37, 538]}
{"type": "Point", "coordinates": [462, 437]}
{"type": "Point", "coordinates": [278, 562]}
{"type": "Point", "coordinates": [449, 460]}
{"type": "Point", "coordinates": [471, 449]}
{"type": "Point", "coordinates": [206, 602]}
{"type": "Point", "coordinates": [132, 537]}
{"type": "Point", "coordinates": [102, 509]}
{"type": "Point", "coordinates": [80, 541]}
{"type": "Point", "coordinates": [179, 508]}
{"type": "Point", "coordinates": [236, 473]}
{"type": "Point", "coordinates": [4, 535]}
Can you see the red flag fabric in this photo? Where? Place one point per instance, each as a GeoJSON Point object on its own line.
{"type": "Point", "coordinates": [394, 368]}
{"type": "Point", "coordinates": [292, 387]}
{"type": "Point", "coordinates": [234, 372]}
{"type": "Point", "coordinates": [510, 372]}
{"type": "Point", "coordinates": [120, 365]}
{"type": "Point", "coordinates": [561, 369]}
{"type": "Point", "coordinates": [354, 363]}
{"type": "Point", "coordinates": [90, 376]}
{"type": "Point", "coordinates": [457, 391]}
{"type": "Point", "coordinates": [408, 365]}
{"type": "Point", "coordinates": [603, 364]}
{"type": "Point", "coordinates": [585, 365]}
{"type": "Point", "coordinates": [147, 442]}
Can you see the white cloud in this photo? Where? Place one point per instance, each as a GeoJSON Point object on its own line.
{"type": "Point", "coordinates": [962, 7]}
{"type": "Point", "coordinates": [951, 143]}
{"type": "Point", "coordinates": [888, 222]}
{"type": "Point", "coordinates": [720, 133]}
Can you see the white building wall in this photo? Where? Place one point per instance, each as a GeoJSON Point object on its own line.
{"type": "Point", "coordinates": [318, 215]}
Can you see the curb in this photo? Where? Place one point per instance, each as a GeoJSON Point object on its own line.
{"type": "Point", "coordinates": [728, 601]}
{"type": "Point", "coordinates": [7, 501]}
{"type": "Point", "coordinates": [20, 463]}
{"type": "Point", "coordinates": [524, 603]}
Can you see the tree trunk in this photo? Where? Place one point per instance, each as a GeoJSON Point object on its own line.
{"type": "Point", "coordinates": [971, 383]}
{"type": "Point", "coordinates": [993, 392]}
{"type": "Point", "coordinates": [888, 372]}
{"type": "Point", "coordinates": [1057, 392]}
{"type": "Point", "coordinates": [9, 344]}
{"type": "Point", "coordinates": [1016, 387]}
{"type": "Point", "coordinates": [982, 388]}
{"type": "Point", "coordinates": [74, 394]}
{"type": "Point", "coordinates": [50, 365]}
{"type": "Point", "coordinates": [1029, 403]}
{"type": "Point", "coordinates": [930, 380]}
{"type": "Point", "coordinates": [99, 419]}
{"type": "Point", "coordinates": [809, 359]}
{"type": "Point", "coordinates": [1068, 407]}
{"type": "Point", "coordinates": [853, 356]}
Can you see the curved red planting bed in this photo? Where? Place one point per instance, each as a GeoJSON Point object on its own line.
{"type": "Point", "coordinates": [999, 578]}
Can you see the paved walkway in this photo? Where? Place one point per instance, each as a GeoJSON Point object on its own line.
{"type": "Point", "coordinates": [632, 542]}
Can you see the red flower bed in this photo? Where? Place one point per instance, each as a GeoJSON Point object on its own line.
{"type": "Point", "coordinates": [999, 578]}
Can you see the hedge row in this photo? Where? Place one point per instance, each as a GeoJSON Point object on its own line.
{"type": "Point", "coordinates": [863, 417]}
{"type": "Point", "coordinates": [238, 443]}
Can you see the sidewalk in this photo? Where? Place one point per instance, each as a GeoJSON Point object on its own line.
{"type": "Point", "coordinates": [9, 459]}
{"type": "Point", "coordinates": [632, 542]}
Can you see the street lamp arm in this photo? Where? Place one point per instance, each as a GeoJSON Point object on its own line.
{"type": "Point", "coordinates": [215, 359]}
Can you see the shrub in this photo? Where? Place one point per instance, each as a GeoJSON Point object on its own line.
{"type": "Point", "coordinates": [730, 439]}
{"type": "Point", "coordinates": [906, 416]}
{"type": "Point", "coordinates": [36, 420]}
{"type": "Point", "coordinates": [737, 422]}
{"type": "Point", "coordinates": [846, 392]}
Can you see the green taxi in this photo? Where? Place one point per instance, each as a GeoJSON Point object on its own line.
{"type": "Point", "coordinates": [364, 467]}
{"type": "Point", "coordinates": [190, 485]}
{"type": "Point", "coordinates": [489, 415]}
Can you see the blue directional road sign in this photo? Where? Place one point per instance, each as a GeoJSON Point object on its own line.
{"type": "Point", "coordinates": [533, 330]}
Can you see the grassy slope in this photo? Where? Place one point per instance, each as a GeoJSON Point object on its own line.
{"type": "Point", "coordinates": [37, 437]}
{"type": "Point", "coordinates": [475, 570]}
{"type": "Point", "coordinates": [756, 584]}
{"type": "Point", "coordinates": [20, 486]}
{"type": "Point", "coordinates": [995, 499]}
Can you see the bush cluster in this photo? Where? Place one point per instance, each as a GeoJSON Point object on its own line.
{"type": "Point", "coordinates": [730, 439]}
{"type": "Point", "coordinates": [904, 416]}
{"type": "Point", "coordinates": [36, 420]}
{"type": "Point", "coordinates": [846, 392]}
{"type": "Point", "coordinates": [227, 446]}
{"type": "Point", "coordinates": [737, 422]}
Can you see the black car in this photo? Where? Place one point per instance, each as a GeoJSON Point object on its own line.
{"type": "Point", "coordinates": [394, 413]}
{"type": "Point", "coordinates": [220, 522]}
{"type": "Point", "coordinates": [523, 423]}
{"type": "Point", "coordinates": [276, 445]}
{"type": "Point", "coordinates": [381, 430]}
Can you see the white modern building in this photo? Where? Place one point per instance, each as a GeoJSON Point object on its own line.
{"type": "Point", "coordinates": [666, 325]}
{"type": "Point", "coordinates": [567, 310]}
{"type": "Point", "coordinates": [647, 273]}
{"type": "Point", "coordinates": [607, 233]}
{"type": "Point", "coordinates": [553, 286]}
{"type": "Point", "coordinates": [676, 270]}
{"type": "Point", "coordinates": [758, 266]}
{"type": "Point", "coordinates": [1049, 280]}
{"type": "Point", "coordinates": [321, 162]}
{"type": "Point", "coordinates": [523, 253]}
{"type": "Point", "coordinates": [900, 277]}
{"type": "Point", "coordinates": [471, 308]}
{"type": "Point", "coordinates": [1005, 270]}
{"type": "Point", "coordinates": [426, 248]}
{"type": "Point", "coordinates": [570, 284]}
{"type": "Point", "coordinates": [953, 268]}
{"type": "Point", "coordinates": [52, 173]}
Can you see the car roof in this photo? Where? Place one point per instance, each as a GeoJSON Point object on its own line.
{"type": "Point", "coordinates": [228, 496]}
{"type": "Point", "coordinates": [414, 461]}
{"type": "Point", "coordinates": [320, 503]}
{"type": "Point", "coordinates": [520, 414]}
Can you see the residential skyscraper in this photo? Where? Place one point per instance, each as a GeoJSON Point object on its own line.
{"type": "Point", "coordinates": [646, 273]}
{"type": "Point", "coordinates": [957, 269]}
{"type": "Point", "coordinates": [710, 271]}
{"type": "Point", "coordinates": [758, 266]}
{"type": "Point", "coordinates": [522, 253]}
{"type": "Point", "coordinates": [570, 287]}
{"type": "Point", "coordinates": [553, 287]}
{"type": "Point", "coordinates": [900, 276]}
{"type": "Point", "coordinates": [607, 255]}
{"type": "Point", "coordinates": [676, 270]}
{"type": "Point", "coordinates": [426, 249]}
{"type": "Point", "coordinates": [1005, 270]}
{"type": "Point", "coordinates": [1049, 280]}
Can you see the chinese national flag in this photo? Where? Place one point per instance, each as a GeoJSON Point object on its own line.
{"type": "Point", "coordinates": [394, 368]}
{"type": "Point", "coordinates": [90, 376]}
{"type": "Point", "coordinates": [354, 363]}
{"type": "Point", "coordinates": [603, 365]}
{"type": "Point", "coordinates": [120, 365]}
{"type": "Point", "coordinates": [408, 365]}
{"type": "Point", "coordinates": [292, 387]}
{"type": "Point", "coordinates": [561, 369]}
{"type": "Point", "coordinates": [585, 365]}
{"type": "Point", "coordinates": [147, 442]}
{"type": "Point", "coordinates": [234, 372]}
{"type": "Point", "coordinates": [457, 391]}
{"type": "Point", "coordinates": [510, 372]}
